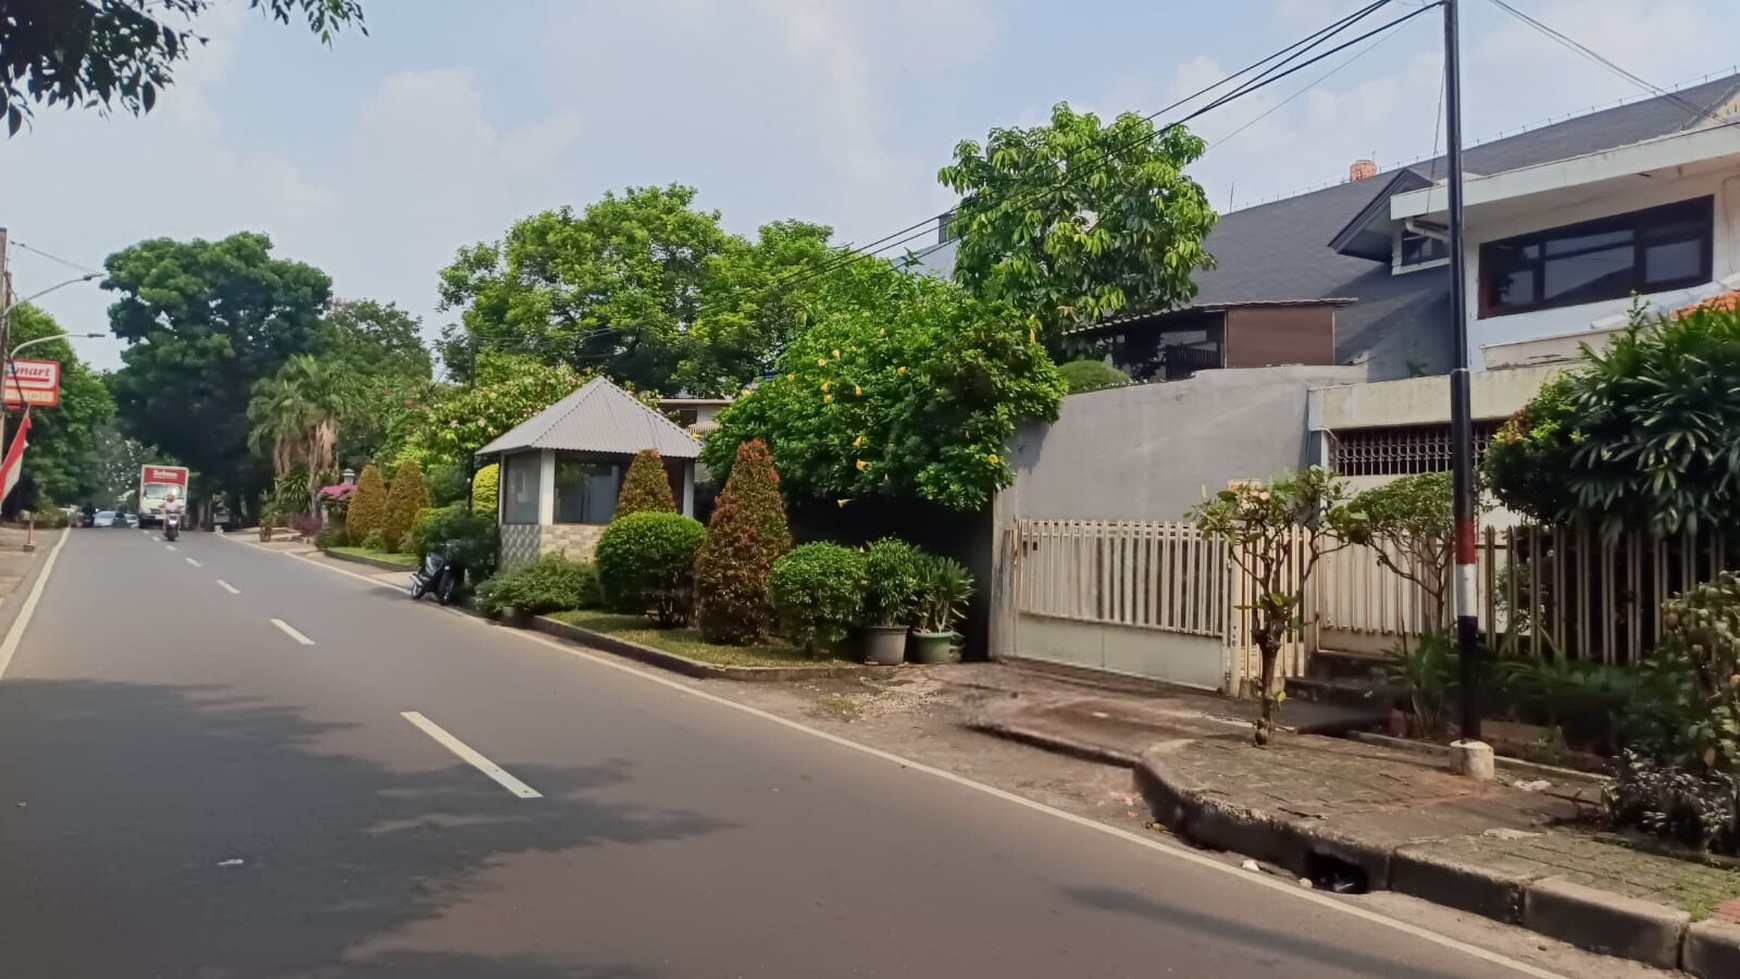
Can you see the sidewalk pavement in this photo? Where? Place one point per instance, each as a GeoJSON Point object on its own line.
{"type": "Point", "coordinates": [1350, 815]}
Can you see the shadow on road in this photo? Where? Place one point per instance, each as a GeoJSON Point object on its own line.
{"type": "Point", "coordinates": [126, 806]}
{"type": "Point", "coordinates": [1288, 947]}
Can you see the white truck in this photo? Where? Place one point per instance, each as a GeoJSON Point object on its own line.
{"type": "Point", "coordinates": [155, 485]}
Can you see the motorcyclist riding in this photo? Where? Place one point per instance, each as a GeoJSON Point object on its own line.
{"type": "Point", "coordinates": [171, 515]}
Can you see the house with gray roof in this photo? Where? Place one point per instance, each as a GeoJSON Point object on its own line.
{"type": "Point", "coordinates": [1332, 277]}
{"type": "Point", "coordinates": [562, 470]}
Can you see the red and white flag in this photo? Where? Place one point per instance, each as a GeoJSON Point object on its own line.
{"type": "Point", "coordinates": [13, 466]}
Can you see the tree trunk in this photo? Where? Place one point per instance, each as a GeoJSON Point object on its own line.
{"type": "Point", "coordinates": [1270, 651]}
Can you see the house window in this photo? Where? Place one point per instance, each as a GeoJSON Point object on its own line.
{"type": "Point", "coordinates": [1419, 249]}
{"type": "Point", "coordinates": [688, 417]}
{"type": "Point", "coordinates": [519, 482]}
{"type": "Point", "coordinates": [586, 490]}
{"type": "Point", "coordinates": [1645, 251]}
{"type": "Point", "coordinates": [1402, 450]}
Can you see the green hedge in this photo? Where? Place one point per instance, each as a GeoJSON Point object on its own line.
{"type": "Point", "coordinates": [646, 564]}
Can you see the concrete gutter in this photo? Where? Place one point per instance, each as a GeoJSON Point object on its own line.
{"type": "Point", "coordinates": [1599, 920]}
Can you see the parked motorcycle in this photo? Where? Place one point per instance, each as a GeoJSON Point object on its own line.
{"type": "Point", "coordinates": [171, 526]}
{"type": "Point", "coordinates": [440, 576]}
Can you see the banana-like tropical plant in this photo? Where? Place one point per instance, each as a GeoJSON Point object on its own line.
{"type": "Point", "coordinates": [294, 418]}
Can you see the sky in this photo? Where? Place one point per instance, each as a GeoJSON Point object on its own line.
{"type": "Point", "coordinates": [378, 157]}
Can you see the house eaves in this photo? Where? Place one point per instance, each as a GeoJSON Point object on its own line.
{"type": "Point", "coordinates": [597, 417]}
{"type": "Point", "coordinates": [1369, 234]}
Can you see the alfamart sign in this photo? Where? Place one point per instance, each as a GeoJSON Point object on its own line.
{"type": "Point", "coordinates": [33, 382]}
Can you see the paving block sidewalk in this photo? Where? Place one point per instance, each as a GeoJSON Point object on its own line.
{"type": "Point", "coordinates": [1373, 817]}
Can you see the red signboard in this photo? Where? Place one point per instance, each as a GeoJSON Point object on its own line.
{"type": "Point", "coordinates": [33, 382]}
{"type": "Point", "coordinates": [164, 474]}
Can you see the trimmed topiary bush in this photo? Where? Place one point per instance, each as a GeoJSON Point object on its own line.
{"type": "Point", "coordinates": [646, 564]}
{"type": "Point", "coordinates": [818, 591]}
{"type": "Point", "coordinates": [747, 534]}
{"type": "Point", "coordinates": [407, 495]}
{"type": "Point", "coordinates": [1091, 375]}
{"type": "Point", "coordinates": [368, 506]}
{"type": "Point", "coordinates": [646, 488]}
{"type": "Point", "coordinates": [552, 583]}
{"type": "Point", "coordinates": [484, 489]}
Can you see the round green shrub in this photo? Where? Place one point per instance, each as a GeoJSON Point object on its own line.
{"type": "Point", "coordinates": [375, 540]}
{"type": "Point", "coordinates": [552, 583]}
{"type": "Point", "coordinates": [891, 567]}
{"type": "Point", "coordinates": [818, 590]}
{"type": "Point", "coordinates": [484, 489]}
{"type": "Point", "coordinates": [646, 563]}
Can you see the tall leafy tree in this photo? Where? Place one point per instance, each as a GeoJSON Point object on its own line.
{"type": "Point", "coordinates": [378, 340]}
{"type": "Point", "coordinates": [206, 321]}
{"type": "Point", "coordinates": [61, 464]}
{"type": "Point", "coordinates": [905, 386]}
{"type": "Point", "coordinates": [107, 53]}
{"type": "Point", "coordinates": [613, 287]}
{"type": "Point", "coordinates": [1075, 220]}
{"type": "Point", "coordinates": [295, 416]}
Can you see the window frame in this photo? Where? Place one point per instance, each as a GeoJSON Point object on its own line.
{"type": "Point", "coordinates": [591, 462]}
{"type": "Point", "coordinates": [1638, 223]}
{"type": "Point", "coordinates": [1436, 261]}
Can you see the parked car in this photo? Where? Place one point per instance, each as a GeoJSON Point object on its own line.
{"type": "Point", "coordinates": [104, 518]}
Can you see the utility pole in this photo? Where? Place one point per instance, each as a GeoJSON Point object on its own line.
{"type": "Point", "coordinates": [1472, 757]}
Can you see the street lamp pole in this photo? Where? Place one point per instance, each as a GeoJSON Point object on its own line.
{"type": "Point", "coordinates": [1472, 757]}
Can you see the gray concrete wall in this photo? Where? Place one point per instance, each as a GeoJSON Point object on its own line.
{"type": "Point", "coordinates": [1146, 452]}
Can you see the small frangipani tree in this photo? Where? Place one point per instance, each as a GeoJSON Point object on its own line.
{"type": "Point", "coordinates": [1276, 533]}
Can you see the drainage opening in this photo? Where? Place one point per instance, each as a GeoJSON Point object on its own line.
{"type": "Point", "coordinates": [1333, 874]}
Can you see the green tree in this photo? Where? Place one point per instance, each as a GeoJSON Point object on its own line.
{"type": "Point", "coordinates": [1410, 525]}
{"type": "Point", "coordinates": [378, 340]}
{"type": "Point", "coordinates": [103, 53]}
{"type": "Point", "coordinates": [1276, 533]}
{"type": "Point", "coordinates": [368, 506]}
{"type": "Point", "coordinates": [60, 466]}
{"type": "Point", "coordinates": [206, 321]}
{"type": "Point", "coordinates": [295, 416]}
{"type": "Point", "coordinates": [1643, 435]}
{"type": "Point", "coordinates": [406, 495]}
{"type": "Point", "coordinates": [903, 387]}
{"type": "Point", "coordinates": [646, 487]}
{"type": "Point", "coordinates": [754, 299]}
{"type": "Point", "coordinates": [613, 287]}
{"type": "Point", "coordinates": [505, 391]}
{"type": "Point", "coordinates": [1073, 221]}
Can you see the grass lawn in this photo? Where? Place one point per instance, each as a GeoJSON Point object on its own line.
{"type": "Point", "coordinates": [687, 642]}
{"type": "Point", "coordinates": [407, 561]}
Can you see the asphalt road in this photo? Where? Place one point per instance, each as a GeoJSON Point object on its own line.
{"type": "Point", "coordinates": [189, 788]}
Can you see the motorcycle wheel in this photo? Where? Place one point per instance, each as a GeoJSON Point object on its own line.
{"type": "Point", "coordinates": [418, 589]}
{"type": "Point", "coordinates": [447, 590]}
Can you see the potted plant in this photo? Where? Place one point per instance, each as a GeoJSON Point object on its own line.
{"type": "Point", "coordinates": [944, 586]}
{"type": "Point", "coordinates": [268, 520]}
{"type": "Point", "coordinates": [891, 585]}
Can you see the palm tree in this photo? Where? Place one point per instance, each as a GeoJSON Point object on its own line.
{"type": "Point", "coordinates": [294, 417]}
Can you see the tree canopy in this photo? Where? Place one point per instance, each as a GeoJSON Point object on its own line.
{"type": "Point", "coordinates": [60, 465]}
{"type": "Point", "coordinates": [1072, 221]}
{"type": "Point", "coordinates": [904, 386]}
{"type": "Point", "coordinates": [641, 286]}
{"type": "Point", "coordinates": [103, 53]}
{"type": "Point", "coordinates": [1644, 435]}
{"type": "Point", "coordinates": [206, 321]}
{"type": "Point", "coordinates": [378, 340]}
{"type": "Point", "coordinates": [506, 390]}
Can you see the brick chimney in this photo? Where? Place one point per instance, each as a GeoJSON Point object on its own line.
{"type": "Point", "coordinates": [1361, 170]}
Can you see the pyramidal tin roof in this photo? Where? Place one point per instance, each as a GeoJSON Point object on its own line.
{"type": "Point", "coordinates": [598, 417]}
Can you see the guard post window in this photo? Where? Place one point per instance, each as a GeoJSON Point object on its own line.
{"type": "Point", "coordinates": [1648, 251]}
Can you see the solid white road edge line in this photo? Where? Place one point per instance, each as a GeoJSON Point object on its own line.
{"type": "Point", "coordinates": [290, 631]}
{"type": "Point", "coordinates": [194, 563]}
{"type": "Point", "coordinates": [470, 756]}
{"type": "Point", "coordinates": [1176, 853]}
{"type": "Point", "coordinates": [16, 633]}
{"type": "Point", "coordinates": [226, 586]}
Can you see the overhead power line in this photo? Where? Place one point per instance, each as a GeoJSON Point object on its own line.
{"type": "Point", "coordinates": [1579, 48]}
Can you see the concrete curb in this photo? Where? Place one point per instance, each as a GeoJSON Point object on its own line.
{"type": "Point", "coordinates": [1056, 743]}
{"type": "Point", "coordinates": [604, 642]}
{"type": "Point", "coordinates": [1594, 919]}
